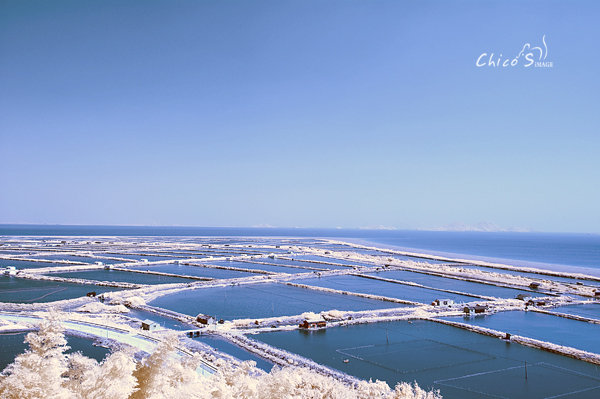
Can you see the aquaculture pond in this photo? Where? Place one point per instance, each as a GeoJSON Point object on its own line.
{"type": "Point", "coordinates": [453, 284]}
{"type": "Point", "coordinates": [198, 271]}
{"type": "Point", "coordinates": [262, 300]}
{"type": "Point", "coordinates": [150, 258]}
{"type": "Point", "coordinates": [26, 264]}
{"type": "Point", "coordinates": [555, 329]}
{"type": "Point", "coordinates": [15, 289]}
{"type": "Point", "coordinates": [12, 344]}
{"type": "Point", "coordinates": [292, 262]}
{"type": "Point", "coordinates": [461, 364]}
{"type": "Point", "coordinates": [235, 351]}
{"type": "Point", "coordinates": [122, 276]}
{"type": "Point", "coordinates": [257, 266]}
{"type": "Point", "coordinates": [384, 288]}
{"type": "Point", "coordinates": [347, 262]}
{"type": "Point", "coordinates": [70, 258]}
{"type": "Point", "coordinates": [113, 261]}
{"type": "Point", "coordinates": [590, 310]}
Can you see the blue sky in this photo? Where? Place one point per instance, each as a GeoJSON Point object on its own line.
{"type": "Point", "coordinates": [298, 113]}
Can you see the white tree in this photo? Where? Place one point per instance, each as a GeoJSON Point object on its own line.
{"type": "Point", "coordinates": [38, 373]}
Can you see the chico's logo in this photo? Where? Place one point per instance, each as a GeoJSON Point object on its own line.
{"type": "Point", "coordinates": [528, 56]}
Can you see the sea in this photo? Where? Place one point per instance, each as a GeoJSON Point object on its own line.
{"type": "Point", "coordinates": [571, 252]}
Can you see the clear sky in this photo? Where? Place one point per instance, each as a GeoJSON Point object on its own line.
{"type": "Point", "coordinates": [299, 113]}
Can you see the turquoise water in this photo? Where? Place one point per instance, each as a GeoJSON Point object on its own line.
{"type": "Point", "coordinates": [12, 344]}
{"type": "Point", "coordinates": [195, 271]}
{"type": "Point", "coordinates": [375, 287]}
{"type": "Point", "coordinates": [558, 330]}
{"type": "Point", "coordinates": [453, 284]}
{"type": "Point", "coordinates": [261, 300]}
{"type": "Point", "coordinates": [14, 289]}
{"type": "Point", "coordinates": [461, 364]}
{"type": "Point", "coordinates": [122, 276]}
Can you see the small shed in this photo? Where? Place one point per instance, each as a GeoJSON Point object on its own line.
{"type": "Point", "coordinates": [523, 297]}
{"type": "Point", "coordinates": [443, 302]}
{"type": "Point", "coordinates": [534, 285]}
{"type": "Point", "coordinates": [205, 319]}
{"type": "Point", "coordinates": [480, 308]}
{"type": "Point", "coordinates": [150, 325]}
{"type": "Point", "coordinates": [313, 324]}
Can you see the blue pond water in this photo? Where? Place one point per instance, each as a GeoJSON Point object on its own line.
{"type": "Point", "coordinates": [122, 276]}
{"type": "Point", "coordinates": [375, 287]}
{"type": "Point", "coordinates": [14, 289]}
{"type": "Point", "coordinates": [196, 271]}
{"type": "Point", "coordinates": [261, 300]}
{"type": "Point", "coordinates": [257, 266]}
{"type": "Point", "coordinates": [558, 330]}
{"type": "Point", "coordinates": [453, 284]}
{"type": "Point", "coordinates": [24, 264]}
{"type": "Point", "coordinates": [591, 310]}
{"type": "Point", "coordinates": [461, 364]}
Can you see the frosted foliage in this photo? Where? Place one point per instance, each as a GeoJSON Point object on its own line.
{"type": "Point", "coordinates": [113, 378]}
{"type": "Point", "coordinates": [45, 371]}
{"type": "Point", "coordinates": [37, 373]}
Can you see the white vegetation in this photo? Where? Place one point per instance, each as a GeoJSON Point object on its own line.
{"type": "Point", "coordinates": [99, 307]}
{"type": "Point", "coordinates": [45, 371]}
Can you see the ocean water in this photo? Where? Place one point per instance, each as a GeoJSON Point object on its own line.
{"type": "Point", "coordinates": [550, 250]}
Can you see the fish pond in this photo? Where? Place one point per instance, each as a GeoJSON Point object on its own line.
{"type": "Point", "coordinates": [453, 284]}
{"type": "Point", "coordinates": [122, 276]}
{"type": "Point", "coordinates": [19, 290]}
{"type": "Point", "coordinates": [555, 329]}
{"type": "Point", "coordinates": [461, 364]}
{"type": "Point", "coordinates": [261, 301]}
{"type": "Point", "coordinates": [377, 287]}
